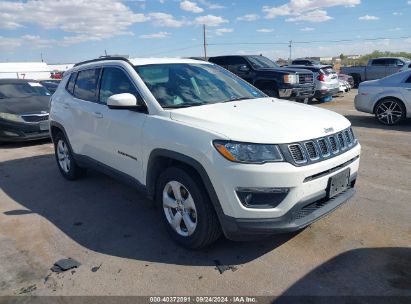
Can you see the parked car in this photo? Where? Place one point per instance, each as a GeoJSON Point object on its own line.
{"type": "Point", "coordinates": [266, 75]}
{"type": "Point", "coordinates": [389, 99]}
{"type": "Point", "coordinates": [376, 69]}
{"type": "Point", "coordinates": [346, 78]}
{"type": "Point", "coordinates": [344, 87]}
{"type": "Point", "coordinates": [325, 80]}
{"type": "Point", "coordinates": [50, 84]}
{"type": "Point", "coordinates": [24, 110]}
{"type": "Point", "coordinates": [213, 152]}
{"type": "Point", "coordinates": [305, 61]}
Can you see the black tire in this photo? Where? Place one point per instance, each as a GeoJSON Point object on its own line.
{"type": "Point", "coordinates": [390, 111]}
{"type": "Point", "coordinates": [73, 171]}
{"type": "Point", "coordinates": [207, 228]}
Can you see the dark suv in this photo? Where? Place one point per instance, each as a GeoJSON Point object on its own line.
{"type": "Point", "coordinates": [266, 75]}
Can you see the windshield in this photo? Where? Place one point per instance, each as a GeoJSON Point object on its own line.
{"type": "Point", "coordinates": [183, 85]}
{"type": "Point", "coordinates": [22, 90]}
{"type": "Point", "coordinates": [261, 62]}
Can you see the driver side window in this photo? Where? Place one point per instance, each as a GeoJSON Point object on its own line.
{"type": "Point", "coordinates": [115, 81]}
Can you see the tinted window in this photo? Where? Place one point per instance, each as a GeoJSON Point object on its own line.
{"type": "Point", "coordinates": [22, 90]}
{"type": "Point", "coordinates": [408, 80]}
{"type": "Point", "coordinates": [233, 63]}
{"type": "Point", "coordinates": [380, 62]}
{"type": "Point", "coordinates": [261, 62]}
{"type": "Point", "coordinates": [392, 62]}
{"type": "Point", "coordinates": [86, 84]}
{"type": "Point", "coordinates": [70, 83]}
{"type": "Point", "coordinates": [115, 81]}
{"type": "Point", "coordinates": [218, 60]}
{"type": "Point", "coordinates": [185, 85]}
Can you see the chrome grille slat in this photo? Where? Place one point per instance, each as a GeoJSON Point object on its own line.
{"type": "Point", "coordinates": [312, 150]}
{"type": "Point", "coordinates": [341, 141]}
{"type": "Point", "coordinates": [333, 144]}
{"type": "Point", "coordinates": [305, 78]}
{"type": "Point", "coordinates": [325, 152]}
{"type": "Point", "coordinates": [35, 117]}
{"type": "Point", "coordinates": [297, 153]}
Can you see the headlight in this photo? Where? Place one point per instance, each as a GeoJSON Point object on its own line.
{"type": "Point", "coordinates": [248, 153]}
{"type": "Point", "coordinates": [291, 78]}
{"type": "Point", "coordinates": [11, 117]}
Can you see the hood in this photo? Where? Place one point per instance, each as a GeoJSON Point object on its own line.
{"type": "Point", "coordinates": [264, 120]}
{"type": "Point", "coordinates": [28, 105]}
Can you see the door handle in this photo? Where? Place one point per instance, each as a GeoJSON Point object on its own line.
{"type": "Point", "coordinates": [97, 115]}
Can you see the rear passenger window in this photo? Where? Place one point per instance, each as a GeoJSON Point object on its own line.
{"type": "Point", "coordinates": [86, 84]}
{"type": "Point", "coordinates": [115, 81]}
{"type": "Point", "coordinates": [379, 62]}
{"type": "Point", "coordinates": [408, 80]}
{"type": "Point", "coordinates": [70, 83]}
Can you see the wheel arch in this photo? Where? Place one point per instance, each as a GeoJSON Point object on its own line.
{"type": "Point", "coordinates": [160, 159]}
{"type": "Point", "coordinates": [387, 97]}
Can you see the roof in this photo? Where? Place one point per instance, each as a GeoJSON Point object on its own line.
{"type": "Point", "coordinates": [15, 80]}
{"type": "Point", "coordinates": [144, 61]}
{"type": "Point", "coordinates": [24, 67]}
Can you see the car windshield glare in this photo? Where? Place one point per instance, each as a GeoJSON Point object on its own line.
{"type": "Point", "coordinates": [261, 62]}
{"type": "Point", "coordinates": [180, 85]}
{"type": "Point", "coordinates": [22, 90]}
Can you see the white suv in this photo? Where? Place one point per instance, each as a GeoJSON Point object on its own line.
{"type": "Point", "coordinates": [213, 152]}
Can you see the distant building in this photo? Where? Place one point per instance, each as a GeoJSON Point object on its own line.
{"type": "Point", "coordinates": [25, 70]}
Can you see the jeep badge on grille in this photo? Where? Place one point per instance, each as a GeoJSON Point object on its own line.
{"type": "Point", "coordinates": [328, 130]}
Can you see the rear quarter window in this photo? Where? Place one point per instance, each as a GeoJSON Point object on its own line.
{"type": "Point", "coordinates": [71, 82]}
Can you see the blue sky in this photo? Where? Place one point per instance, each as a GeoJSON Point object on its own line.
{"type": "Point", "coordinates": [70, 31]}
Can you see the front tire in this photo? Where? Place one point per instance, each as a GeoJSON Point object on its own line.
{"type": "Point", "coordinates": [185, 208]}
{"type": "Point", "coordinates": [65, 160]}
{"type": "Point", "coordinates": [390, 111]}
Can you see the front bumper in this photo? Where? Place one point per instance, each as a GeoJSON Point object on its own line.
{"type": "Point", "coordinates": [326, 92]}
{"type": "Point", "coordinates": [19, 131]}
{"type": "Point", "coordinates": [300, 92]}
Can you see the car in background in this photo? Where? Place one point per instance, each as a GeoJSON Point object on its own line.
{"type": "Point", "coordinates": [346, 78]}
{"type": "Point", "coordinates": [389, 98]}
{"type": "Point", "coordinates": [24, 110]}
{"type": "Point", "coordinates": [305, 61]}
{"type": "Point", "coordinates": [344, 87]}
{"type": "Point", "coordinates": [266, 75]}
{"type": "Point", "coordinates": [50, 84]}
{"type": "Point", "coordinates": [325, 80]}
{"type": "Point", "coordinates": [376, 69]}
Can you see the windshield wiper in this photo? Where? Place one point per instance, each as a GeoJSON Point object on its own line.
{"type": "Point", "coordinates": [183, 105]}
{"type": "Point", "coordinates": [238, 98]}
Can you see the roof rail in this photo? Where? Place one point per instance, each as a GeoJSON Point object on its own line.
{"type": "Point", "coordinates": [104, 58]}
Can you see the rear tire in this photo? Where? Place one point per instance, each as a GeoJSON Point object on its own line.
{"type": "Point", "coordinates": [64, 158]}
{"type": "Point", "coordinates": [185, 208]}
{"type": "Point", "coordinates": [390, 111]}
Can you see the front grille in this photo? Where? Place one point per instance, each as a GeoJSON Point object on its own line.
{"type": "Point", "coordinates": [297, 153]}
{"type": "Point", "coordinates": [341, 141]}
{"type": "Point", "coordinates": [35, 117]}
{"type": "Point", "coordinates": [319, 149]}
{"type": "Point", "coordinates": [323, 147]}
{"type": "Point", "coordinates": [305, 78]}
{"type": "Point", "coordinates": [311, 150]}
{"type": "Point", "coordinates": [333, 144]}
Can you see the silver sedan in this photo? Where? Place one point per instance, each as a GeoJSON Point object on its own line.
{"type": "Point", "coordinates": [389, 98]}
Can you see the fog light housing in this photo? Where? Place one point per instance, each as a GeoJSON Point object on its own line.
{"type": "Point", "coordinates": [261, 198]}
{"type": "Point", "coordinates": [11, 134]}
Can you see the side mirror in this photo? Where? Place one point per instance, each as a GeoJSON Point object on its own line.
{"type": "Point", "coordinates": [244, 68]}
{"type": "Point", "coordinates": [125, 101]}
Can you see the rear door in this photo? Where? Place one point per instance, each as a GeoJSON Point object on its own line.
{"type": "Point", "coordinates": [377, 69]}
{"type": "Point", "coordinates": [406, 92]}
{"type": "Point", "coordinates": [84, 112]}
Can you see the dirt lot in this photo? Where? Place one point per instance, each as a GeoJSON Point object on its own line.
{"type": "Point", "coordinates": [364, 248]}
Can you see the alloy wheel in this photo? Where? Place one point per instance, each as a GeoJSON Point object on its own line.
{"type": "Point", "coordinates": [179, 208]}
{"type": "Point", "coordinates": [389, 112]}
{"type": "Point", "coordinates": [63, 156]}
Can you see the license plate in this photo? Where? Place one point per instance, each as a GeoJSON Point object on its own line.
{"type": "Point", "coordinates": [338, 183]}
{"type": "Point", "coordinates": [44, 125]}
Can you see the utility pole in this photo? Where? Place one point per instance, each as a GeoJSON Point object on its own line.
{"type": "Point", "coordinates": [41, 56]}
{"type": "Point", "coordinates": [204, 42]}
{"type": "Point", "coordinates": [290, 46]}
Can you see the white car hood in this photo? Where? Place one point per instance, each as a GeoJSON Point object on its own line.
{"type": "Point", "coordinates": [264, 120]}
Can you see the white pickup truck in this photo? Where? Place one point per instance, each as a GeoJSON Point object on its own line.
{"type": "Point", "coordinates": [376, 69]}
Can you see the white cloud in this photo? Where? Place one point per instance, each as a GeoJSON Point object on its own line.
{"type": "Point", "coordinates": [222, 31]}
{"type": "Point", "coordinates": [159, 35]}
{"type": "Point", "coordinates": [28, 41]}
{"type": "Point", "coordinates": [190, 7]}
{"type": "Point", "coordinates": [264, 30]}
{"type": "Point", "coordinates": [306, 10]}
{"type": "Point", "coordinates": [94, 19]}
{"type": "Point", "coordinates": [211, 6]}
{"type": "Point", "coordinates": [397, 13]}
{"type": "Point", "coordinates": [210, 20]}
{"type": "Point", "coordinates": [165, 20]}
{"type": "Point", "coordinates": [307, 29]}
{"type": "Point", "coordinates": [368, 18]}
{"type": "Point", "coordinates": [248, 17]}
{"type": "Point", "coordinates": [395, 29]}
{"type": "Point", "coordinates": [312, 16]}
